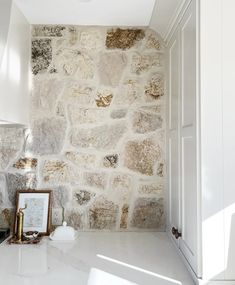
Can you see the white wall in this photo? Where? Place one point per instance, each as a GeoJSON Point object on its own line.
{"type": "Point", "coordinates": [5, 11]}
{"type": "Point", "coordinates": [14, 71]}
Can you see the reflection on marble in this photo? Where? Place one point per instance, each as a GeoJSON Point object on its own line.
{"type": "Point", "coordinates": [95, 258]}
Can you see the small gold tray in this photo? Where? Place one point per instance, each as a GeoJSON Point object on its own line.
{"type": "Point", "coordinates": [13, 240]}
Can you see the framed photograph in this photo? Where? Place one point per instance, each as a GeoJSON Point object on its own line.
{"type": "Point", "coordinates": [37, 215]}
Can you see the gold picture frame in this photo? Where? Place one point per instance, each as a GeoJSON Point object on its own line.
{"type": "Point", "coordinates": [37, 215]}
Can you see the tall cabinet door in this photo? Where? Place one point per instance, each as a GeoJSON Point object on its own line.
{"type": "Point", "coordinates": [173, 132]}
{"type": "Point", "coordinates": [188, 138]}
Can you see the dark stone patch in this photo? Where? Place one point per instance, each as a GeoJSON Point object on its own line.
{"type": "Point", "coordinates": [148, 214]}
{"type": "Point", "coordinates": [48, 31]}
{"type": "Point", "coordinates": [83, 196]}
{"type": "Point", "coordinates": [124, 216]}
{"type": "Point", "coordinates": [7, 218]}
{"type": "Point", "coordinates": [26, 163]}
{"type": "Point", "coordinates": [160, 170]}
{"type": "Point", "coordinates": [19, 182]}
{"type": "Point", "coordinates": [123, 38]}
{"type": "Point", "coordinates": [103, 214]}
{"type": "Point", "coordinates": [111, 160]}
{"type": "Point", "coordinates": [41, 55]}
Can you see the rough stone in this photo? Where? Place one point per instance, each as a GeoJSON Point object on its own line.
{"type": "Point", "coordinates": [91, 39]}
{"type": "Point", "coordinates": [7, 218]}
{"type": "Point", "coordinates": [73, 35]}
{"type": "Point", "coordinates": [118, 114]}
{"type": "Point", "coordinates": [111, 68]}
{"type": "Point", "coordinates": [124, 216]}
{"type": "Point", "coordinates": [83, 197]}
{"type": "Point", "coordinates": [103, 214]}
{"type": "Point", "coordinates": [83, 160]}
{"type": "Point", "coordinates": [48, 31]}
{"type": "Point", "coordinates": [129, 93]}
{"type": "Point", "coordinates": [57, 216]}
{"type": "Point", "coordinates": [141, 156]}
{"type": "Point", "coordinates": [79, 116]}
{"type": "Point", "coordinates": [45, 93]}
{"type": "Point", "coordinates": [110, 160]}
{"type": "Point", "coordinates": [123, 38]}
{"type": "Point", "coordinates": [160, 169]}
{"type": "Point", "coordinates": [19, 182]}
{"type": "Point", "coordinates": [144, 122]}
{"type": "Point", "coordinates": [153, 109]}
{"type": "Point", "coordinates": [151, 189]}
{"type": "Point", "coordinates": [101, 137]}
{"type": "Point", "coordinates": [3, 188]}
{"type": "Point", "coordinates": [104, 99]}
{"type": "Point", "coordinates": [74, 62]}
{"type": "Point", "coordinates": [153, 42]}
{"type": "Point", "coordinates": [148, 214]}
{"type": "Point", "coordinates": [57, 171]}
{"type": "Point", "coordinates": [121, 187]}
{"type": "Point", "coordinates": [145, 62]}
{"type": "Point", "coordinates": [61, 196]}
{"type": "Point", "coordinates": [155, 87]}
{"type": "Point", "coordinates": [74, 218]}
{"type": "Point", "coordinates": [41, 55]}
{"type": "Point", "coordinates": [48, 136]}
{"type": "Point", "coordinates": [77, 94]}
{"type": "Point", "coordinates": [11, 143]}
{"type": "Point", "coordinates": [26, 163]}
{"type": "Point", "coordinates": [95, 179]}
{"type": "Point", "coordinates": [60, 110]}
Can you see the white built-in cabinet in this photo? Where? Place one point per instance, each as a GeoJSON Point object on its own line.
{"type": "Point", "coordinates": [201, 139]}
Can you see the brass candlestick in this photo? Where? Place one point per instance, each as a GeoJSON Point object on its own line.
{"type": "Point", "coordinates": [20, 224]}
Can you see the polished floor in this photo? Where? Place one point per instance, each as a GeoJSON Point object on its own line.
{"type": "Point", "coordinates": [95, 259]}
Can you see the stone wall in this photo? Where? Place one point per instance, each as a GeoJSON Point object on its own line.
{"type": "Point", "coordinates": [97, 134]}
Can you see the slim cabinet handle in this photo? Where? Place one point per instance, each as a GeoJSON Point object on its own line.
{"type": "Point", "coordinates": [176, 233]}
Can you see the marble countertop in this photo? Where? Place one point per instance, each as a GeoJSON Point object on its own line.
{"type": "Point", "coordinates": [94, 259]}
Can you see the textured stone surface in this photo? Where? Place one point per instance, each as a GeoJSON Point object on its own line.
{"type": "Point", "coordinates": [121, 186]}
{"type": "Point", "coordinates": [41, 55]}
{"type": "Point", "coordinates": [160, 169]}
{"type": "Point", "coordinates": [124, 216]}
{"type": "Point", "coordinates": [74, 62]}
{"type": "Point", "coordinates": [153, 42]}
{"type": "Point", "coordinates": [76, 93]}
{"type": "Point", "coordinates": [130, 92]}
{"type": "Point", "coordinates": [19, 182]}
{"type": "Point", "coordinates": [57, 216]}
{"type": "Point", "coordinates": [145, 62]}
{"type": "Point", "coordinates": [7, 218]}
{"type": "Point", "coordinates": [111, 67]}
{"type": "Point", "coordinates": [26, 163]}
{"type": "Point", "coordinates": [103, 214]}
{"type": "Point", "coordinates": [83, 197]}
{"type": "Point", "coordinates": [118, 114]}
{"type": "Point", "coordinates": [48, 136]}
{"type": "Point", "coordinates": [96, 180]}
{"type": "Point", "coordinates": [155, 87]}
{"type": "Point", "coordinates": [11, 143]}
{"type": "Point", "coordinates": [104, 99]}
{"type": "Point", "coordinates": [74, 218]}
{"type": "Point", "coordinates": [83, 160]}
{"type": "Point", "coordinates": [110, 160]}
{"type": "Point", "coordinates": [153, 109]}
{"type": "Point", "coordinates": [79, 116]}
{"type": "Point", "coordinates": [101, 137]}
{"type": "Point", "coordinates": [58, 171]}
{"type": "Point", "coordinates": [143, 122]}
{"type": "Point", "coordinates": [152, 189]}
{"type": "Point", "coordinates": [148, 214]}
{"type": "Point", "coordinates": [91, 39]}
{"type": "Point", "coordinates": [61, 196]}
{"type": "Point", "coordinates": [48, 31]}
{"type": "Point", "coordinates": [3, 188]}
{"type": "Point", "coordinates": [123, 38]}
{"type": "Point", "coordinates": [45, 93]}
{"type": "Point", "coordinates": [141, 156]}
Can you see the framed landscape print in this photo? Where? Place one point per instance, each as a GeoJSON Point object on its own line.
{"type": "Point", "coordinates": [37, 215]}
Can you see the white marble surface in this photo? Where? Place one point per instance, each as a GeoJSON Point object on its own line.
{"type": "Point", "coordinates": [95, 259]}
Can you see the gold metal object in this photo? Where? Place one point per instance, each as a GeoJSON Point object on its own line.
{"type": "Point", "coordinates": [20, 224]}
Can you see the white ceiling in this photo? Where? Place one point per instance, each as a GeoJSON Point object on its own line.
{"type": "Point", "coordinates": [102, 12]}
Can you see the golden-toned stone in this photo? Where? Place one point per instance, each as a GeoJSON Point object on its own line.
{"type": "Point", "coordinates": [124, 216]}
{"type": "Point", "coordinates": [26, 163]}
{"type": "Point", "coordinates": [104, 101]}
{"type": "Point", "coordinates": [153, 42]}
{"type": "Point", "coordinates": [123, 38]}
{"type": "Point", "coordinates": [155, 87]}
